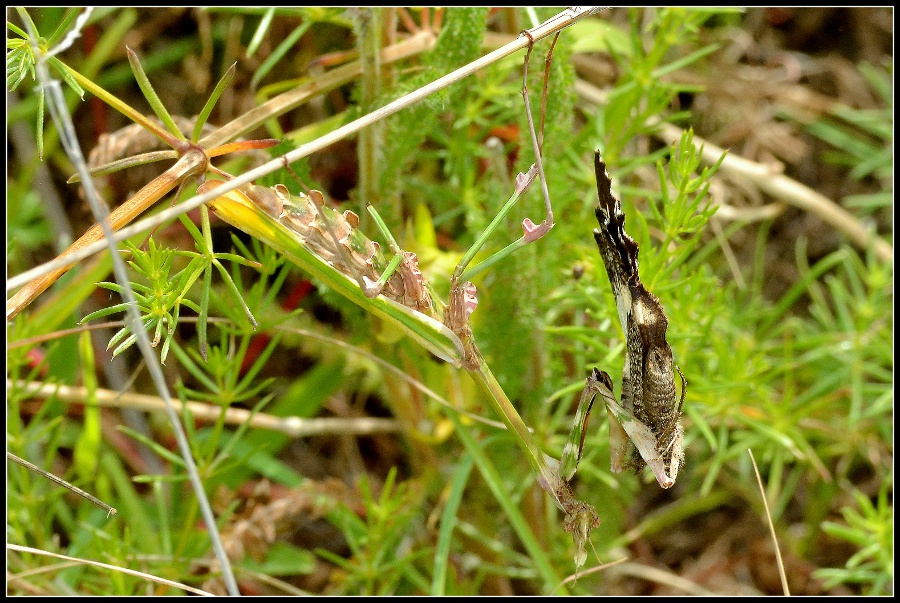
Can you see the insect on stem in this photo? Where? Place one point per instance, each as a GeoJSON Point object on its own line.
{"type": "Point", "coordinates": [369, 288]}
{"type": "Point", "coordinates": [572, 451]}
{"type": "Point", "coordinates": [646, 428]}
{"type": "Point", "coordinates": [331, 248]}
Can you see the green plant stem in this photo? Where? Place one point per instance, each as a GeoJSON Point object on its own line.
{"type": "Point", "coordinates": [489, 385]}
{"type": "Point", "coordinates": [448, 524]}
{"type": "Point", "coordinates": [495, 483]}
{"type": "Point", "coordinates": [461, 274]}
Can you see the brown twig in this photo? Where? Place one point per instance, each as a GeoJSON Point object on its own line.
{"type": "Point", "coordinates": [790, 191]}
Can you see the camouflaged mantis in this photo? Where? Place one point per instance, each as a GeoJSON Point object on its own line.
{"type": "Point", "coordinates": [646, 428]}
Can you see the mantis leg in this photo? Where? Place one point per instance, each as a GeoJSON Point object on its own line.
{"type": "Point", "coordinates": [600, 383]}
{"type": "Point", "coordinates": [531, 231]}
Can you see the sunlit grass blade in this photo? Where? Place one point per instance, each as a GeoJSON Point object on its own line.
{"type": "Point", "coordinates": [279, 52]}
{"type": "Point", "coordinates": [150, 94]}
{"type": "Point", "coordinates": [261, 31]}
{"type": "Point", "coordinates": [223, 83]}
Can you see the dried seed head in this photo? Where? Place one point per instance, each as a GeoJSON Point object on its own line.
{"type": "Point", "coordinates": [335, 238]}
{"type": "Point", "coordinates": [266, 199]}
{"type": "Point", "coordinates": [351, 218]}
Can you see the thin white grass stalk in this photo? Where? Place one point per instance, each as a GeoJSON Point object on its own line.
{"type": "Point", "coordinates": [661, 577]}
{"type": "Point", "coordinates": [548, 28]}
{"type": "Point", "coordinates": [58, 109]}
{"type": "Point", "coordinates": [296, 427]}
{"type": "Point", "coordinates": [115, 568]}
{"type": "Point", "coordinates": [532, 14]}
{"type": "Point", "coordinates": [419, 42]}
{"type": "Point", "coordinates": [285, 587]}
{"type": "Point", "coordinates": [762, 492]}
{"type": "Point", "coordinates": [577, 575]}
{"type": "Point", "coordinates": [73, 34]}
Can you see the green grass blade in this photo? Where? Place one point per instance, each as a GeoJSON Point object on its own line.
{"type": "Point", "coordinates": [494, 482]}
{"type": "Point", "coordinates": [448, 524]}
{"type": "Point", "coordinates": [279, 53]}
{"type": "Point", "coordinates": [259, 35]}
{"type": "Point", "coordinates": [150, 94]}
{"type": "Point", "coordinates": [213, 99]}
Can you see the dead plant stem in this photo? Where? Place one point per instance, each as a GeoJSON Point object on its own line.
{"type": "Point", "coordinates": [295, 427]}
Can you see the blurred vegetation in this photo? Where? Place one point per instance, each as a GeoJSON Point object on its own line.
{"type": "Point", "coordinates": [781, 325]}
